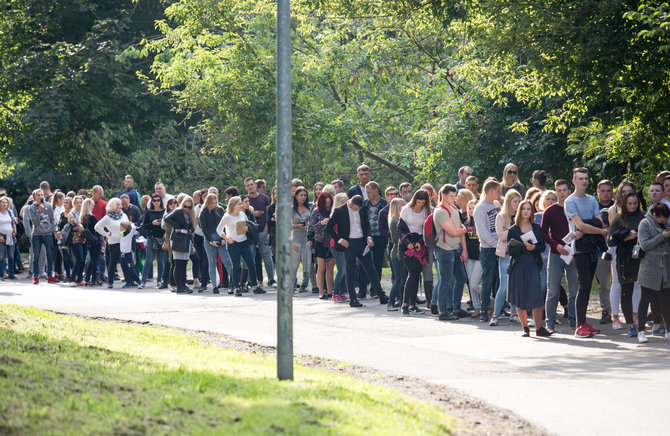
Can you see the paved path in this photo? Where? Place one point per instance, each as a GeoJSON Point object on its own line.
{"type": "Point", "coordinates": [608, 385]}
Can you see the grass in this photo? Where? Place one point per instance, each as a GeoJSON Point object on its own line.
{"type": "Point", "coordinates": [66, 375]}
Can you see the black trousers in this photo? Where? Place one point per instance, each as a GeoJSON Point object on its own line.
{"type": "Point", "coordinates": [180, 273]}
{"type": "Point", "coordinates": [586, 269]}
{"type": "Point", "coordinates": [353, 252]}
{"type": "Point", "coordinates": [114, 257]}
{"type": "Point", "coordinates": [627, 301]}
{"type": "Point", "coordinates": [660, 305]}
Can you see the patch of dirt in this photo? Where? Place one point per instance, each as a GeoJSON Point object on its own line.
{"type": "Point", "coordinates": [475, 417]}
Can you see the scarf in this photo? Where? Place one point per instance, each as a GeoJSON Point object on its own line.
{"type": "Point", "coordinates": [115, 216]}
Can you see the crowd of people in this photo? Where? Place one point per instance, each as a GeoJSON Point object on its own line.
{"type": "Point", "coordinates": [509, 246]}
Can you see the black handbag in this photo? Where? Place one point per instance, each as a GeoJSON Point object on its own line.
{"type": "Point", "coordinates": [253, 232]}
{"type": "Point", "coordinates": [180, 241]}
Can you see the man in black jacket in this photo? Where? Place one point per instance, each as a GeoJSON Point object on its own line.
{"type": "Point", "coordinates": [363, 173]}
{"type": "Point", "coordinates": [353, 237]}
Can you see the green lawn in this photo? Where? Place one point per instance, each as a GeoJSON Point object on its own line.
{"type": "Point", "coordinates": [66, 375]}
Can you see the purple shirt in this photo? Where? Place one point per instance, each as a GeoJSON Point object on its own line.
{"type": "Point", "coordinates": [555, 226]}
{"type": "Point", "coordinates": [261, 202]}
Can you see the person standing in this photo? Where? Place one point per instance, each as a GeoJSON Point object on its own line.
{"type": "Point", "coordinates": [340, 282]}
{"type": "Point", "coordinates": [525, 290]}
{"type": "Point", "coordinates": [129, 190]}
{"type": "Point", "coordinates": [583, 213]}
{"type": "Point", "coordinates": [215, 246]}
{"type": "Point", "coordinates": [159, 188]}
{"type": "Point", "coordinates": [372, 207]}
{"type": "Point", "coordinates": [128, 232]}
{"type": "Point", "coordinates": [539, 179]}
{"type": "Point", "coordinates": [110, 227]}
{"type": "Point", "coordinates": [463, 174]}
{"type": "Point", "coordinates": [485, 216]}
{"type": "Point", "coordinates": [182, 221]}
{"type": "Point", "coordinates": [150, 228]}
{"type": "Point", "coordinates": [363, 173]}
{"type": "Point", "coordinates": [92, 242]}
{"type": "Point", "coordinates": [399, 271]}
{"type": "Point", "coordinates": [350, 229]}
{"type": "Point", "coordinates": [260, 203]}
{"type": "Point", "coordinates": [7, 235]}
{"type": "Point", "coordinates": [301, 252]}
{"type": "Point", "coordinates": [510, 180]}
{"type": "Point", "coordinates": [41, 218]}
{"type": "Point", "coordinates": [320, 241]}
{"type": "Point", "coordinates": [604, 192]}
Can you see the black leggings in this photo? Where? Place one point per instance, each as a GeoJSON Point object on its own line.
{"type": "Point", "coordinates": [114, 257]}
{"type": "Point", "coordinates": [660, 304]}
{"type": "Point", "coordinates": [563, 297]}
{"type": "Point", "coordinates": [411, 285]}
{"type": "Point", "coordinates": [180, 273]}
{"type": "Point", "coordinates": [627, 301]}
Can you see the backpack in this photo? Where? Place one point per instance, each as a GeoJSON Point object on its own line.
{"type": "Point", "coordinates": [65, 241]}
{"type": "Point", "coordinates": [430, 234]}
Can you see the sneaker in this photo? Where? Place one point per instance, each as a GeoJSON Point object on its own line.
{"type": "Point", "coordinates": [447, 316]}
{"type": "Point", "coordinates": [542, 332]}
{"type": "Point", "coordinates": [632, 331]}
{"type": "Point", "coordinates": [141, 286]}
{"type": "Point", "coordinates": [483, 317]}
{"type": "Point", "coordinates": [273, 284]}
{"type": "Point", "coordinates": [433, 310]}
{"type": "Point", "coordinates": [475, 314]}
{"type": "Point", "coordinates": [514, 318]}
{"type": "Point", "coordinates": [592, 329]}
{"type": "Point", "coordinates": [36, 281]}
{"type": "Point", "coordinates": [315, 290]}
{"type": "Point", "coordinates": [416, 310]}
{"type": "Point", "coordinates": [582, 332]}
{"type": "Point", "coordinates": [231, 291]}
{"type": "Point", "coordinates": [336, 298]}
{"type": "Point", "coordinates": [460, 313]}
{"type": "Point", "coordinates": [52, 280]}
{"type": "Point", "coordinates": [616, 325]}
{"type": "Point", "coordinates": [110, 285]}
{"type": "Point", "coordinates": [323, 297]}
{"type": "Point", "coordinates": [391, 307]}
{"type": "Point", "coordinates": [642, 338]}
{"type": "Point", "coordinates": [494, 321]}
{"type": "Point", "coordinates": [657, 332]}
{"type": "Point", "coordinates": [531, 322]}
{"type": "Point", "coordinates": [605, 318]}
{"type": "Point", "coordinates": [504, 315]}
{"type": "Point", "coordinates": [667, 335]}
{"type": "Point", "coordinates": [238, 292]}
{"type": "Point", "coordinates": [383, 299]}
{"type": "Point", "coordinates": [344, 298]}
{"type": "Point", "coordinates": [259, 290]}
{"type": "Point", "coordinates": [355, 303]}
{"type": "Point", "coordinates": [405, 311]}
{"type": "Point", "coordinates": [126, 286]}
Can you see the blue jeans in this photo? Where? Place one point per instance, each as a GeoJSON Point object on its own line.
{"type": "Point", "coordinates": [79, 258]}
{"type": "Point", "coordinates": [489, 261]}
{"type": "Point", "coordinates": [162, 257]}
{"type": "Point", "coordinates": [445, 278]}
{"type": "Point", "coordinates": [460, 277]}
{"type": "Point", "coordinates": [555, 268]}
{"type": "Point", "coordinates": [212, 254]}
{"type": "Point", "coordinates": [501, 295]}
{"type": "Point", "coordinates": [48, 241]}
{"type": "Point", "coordinates": [238, 251]}
{"type": "Point", "coordinates": [7, 250]}
{"type": "Point", "coordinates": [399, 283]}
{"type": "Point", "coordinates": [340, 285]}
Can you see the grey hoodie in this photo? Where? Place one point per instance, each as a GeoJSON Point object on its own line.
{"type": "Point", "coordinates": [42, 222]}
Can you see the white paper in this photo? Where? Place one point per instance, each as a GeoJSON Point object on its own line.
{"type": "Point", "coordinates": [569, 238]}
{"type": "Point", "coordinates": [529, 237]}
{"type": "Point", "coordinates": [366, 251]}
{"type": "Point", "coordinates": [567, 258]}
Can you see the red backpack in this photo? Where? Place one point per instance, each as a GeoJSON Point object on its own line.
{"type": "Point", "coordinates": [430, 236]}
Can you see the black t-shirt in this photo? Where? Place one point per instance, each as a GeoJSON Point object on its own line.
{"type": "Point", "coordinates": [133, 213]}
{"type": "Point", "coordinates": [472, 239]}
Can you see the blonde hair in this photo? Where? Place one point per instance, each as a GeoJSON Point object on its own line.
{"type": "Point", "coordinates": [508, 167]}
{"type": "Point", "coordinates": [467, 209]}
{"type": "Point", "coordinates": [543, 198]}
{"type": "Point", "coordinates": [395, 207]}
{"type": "Point", "coordinates": [234, 201]}
{"type": "Point", "coordinates": [87, 207]}
{"type": "Point", "coordinates": [507, 211]}
{"type": "Point", "coordinates": [126, 226]}
{"type": "Point", "coordinates": [339, 200]}
{"type": "Point", "coordinates": [329, 189]}
{"type": "Point", "coordinates": [191, 212]}
{"type": "Point", "coordinates": [467, 194]}
{"type": "Point", "coordinates": [111, 206]}
{"type": "Point", "coordinates": [143, 201]}
{"type": "Point", "coordinates": [67, 200]}
{"type": "Point", "coordinates": [180, 198]}
{"type": "Point", "coordinates": [74, 200]}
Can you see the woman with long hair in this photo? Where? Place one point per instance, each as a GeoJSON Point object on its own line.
{"type": "Point", "coordinates": [215, 247]}
{"type": "Point", "coordinates": [526, 241]}
{"type": "Point", "coordinates": [7, 234]}
{"type": "Point", "coordinates": [199, 242]}
{"type": "Point", "coordinates": [412, 249]}
{"type": "Point", "coordinates": [76, 277]}
{"type": "Point", "coordinates": [320, 242]}
{"type": "Point", "coordinates": [168, 273]}
{"type": "Point", "coordinates": [65, 251]}
{"type": "Point", "coordinates": [272, 229]}
{"type": "Point", "coordinates": [110, 226]}
{"type": "Point", "coordinates": [92, 241]}
{"type": "Point", "coordinates": [340, 282]}
{"type": "Point", "coordinates": [182, 221]}
{"type": "Point", "coordinates": [301, 252]}
{"type": "Point", "coordinates": [57, 205]}
{"type": "Point", "coordinates": [622, 191]}
{"type": "Point", "coordinates": [150, 228]}
{"type": "Point", "coordinates": [473, 267]}
{"type": "Point", "coordinates": [510, 180]}
{"type": "Point", "coordinates": [234, 224]}
{"type": "Point", "coordinates": [623, 235]}
{"type": "Point", "coordinates": [504, 221]}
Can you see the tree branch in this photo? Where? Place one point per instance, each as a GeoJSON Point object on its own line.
{"type": "Point", "coordinates": [382, 161]}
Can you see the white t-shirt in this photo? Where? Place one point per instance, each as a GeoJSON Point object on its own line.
{"type": "Point", "coordinates": [413, 220]}
{"type": "Point", "coordinates": [229, 223]}
{"type": "Point", "coordinates": [127, 241]}
{"type": "Point", "coordinates": [6, 227]}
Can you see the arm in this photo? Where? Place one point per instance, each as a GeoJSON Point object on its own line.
{"type": "Point", "coordinates": [330, 228]}
{"type": "Point", "coordinates": [501, 228]}
{"type": "Point", "coordinates": [452, 230]}
{"type": "Point", "coordinates": [100, 226]}
{"type": "Point", "coordinates": [221, 226]}
{"type": "Point", "coordinates": [516, 249]}
{"type": "Point", "coordinates": [647, 241]}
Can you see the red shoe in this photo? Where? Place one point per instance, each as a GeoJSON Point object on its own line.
{"type": "Point", "coordinates": [36, 281]}
{"type": "Point", "coordinates": [52, 280]}
{"type": "Point", "coordinates": [582, 332]}
{"type": "Point", "coordinates": [590, 328]}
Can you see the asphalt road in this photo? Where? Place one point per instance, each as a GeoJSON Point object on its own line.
{"type": "Point", "coordinates": [605, 385]}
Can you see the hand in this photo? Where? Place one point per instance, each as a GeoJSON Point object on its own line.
{"type": "Point", "coordinates": [666, 233]}
{"type": "Point", "coordinates": [258, 213]}
{"type": "Point", "coordinates": [561, 249]}
{"type": "Point", "coordinates": [273, 218]}
{"type": "Point", "coordinates": [529, 246]}
{"type": "Point", "coordinates": [324, 222]}
{"type": "Point", "coordinates": [295, 248]}
{"type": "Point", "coordinates": [345, 243]}
{"type": "Point", "coordinates": [309, 244]}
{"type": "Point", "coordinates": [156, 222]}
{"type": "Point", "coordinates": [464, 257]}
{"type": "Point", "coordinates": [245, 229]}
{"type": "Point", "coordinates": [58, 235]}
{"type": "Point", "coordinates": [370, 243]}
{"type": "Point", "coordinates": [578, 235]}
{"type": "Point", "coordinates": [2, 239]}
{"type": "Point", "coordinates": [40, 208]}
{"type": "Point", "coordinates": [214, 243]}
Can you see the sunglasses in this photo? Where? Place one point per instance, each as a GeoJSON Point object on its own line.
{"type": "Point", "coordinates": [172, 203]}
{"type": "Point", "coordinates": [511, 172]}
{"type": "Point", "coordinates": [187, 207]}
{"type": "Point", "coordinates": [156, 200]}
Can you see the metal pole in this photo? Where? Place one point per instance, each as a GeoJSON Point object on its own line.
{"type": "Point", "coordinates": [284, 176]}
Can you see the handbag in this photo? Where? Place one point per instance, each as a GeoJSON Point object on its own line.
{"type": "Point", "coordinates": [638, 252]}
{"type": "Point", "coordinates": [157, 243]}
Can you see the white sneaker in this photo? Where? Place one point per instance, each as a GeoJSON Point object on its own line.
{"type": "Point", "coordinates": [531, 323]}
{"type": "Point", "coordinates": [494, 321]}
{"type": "Point", "coordinates": [514, 318]}
{"type": "Point", "coordinates": [642, 338]}
{"type": "Point", "coordinates": [667, 335]}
